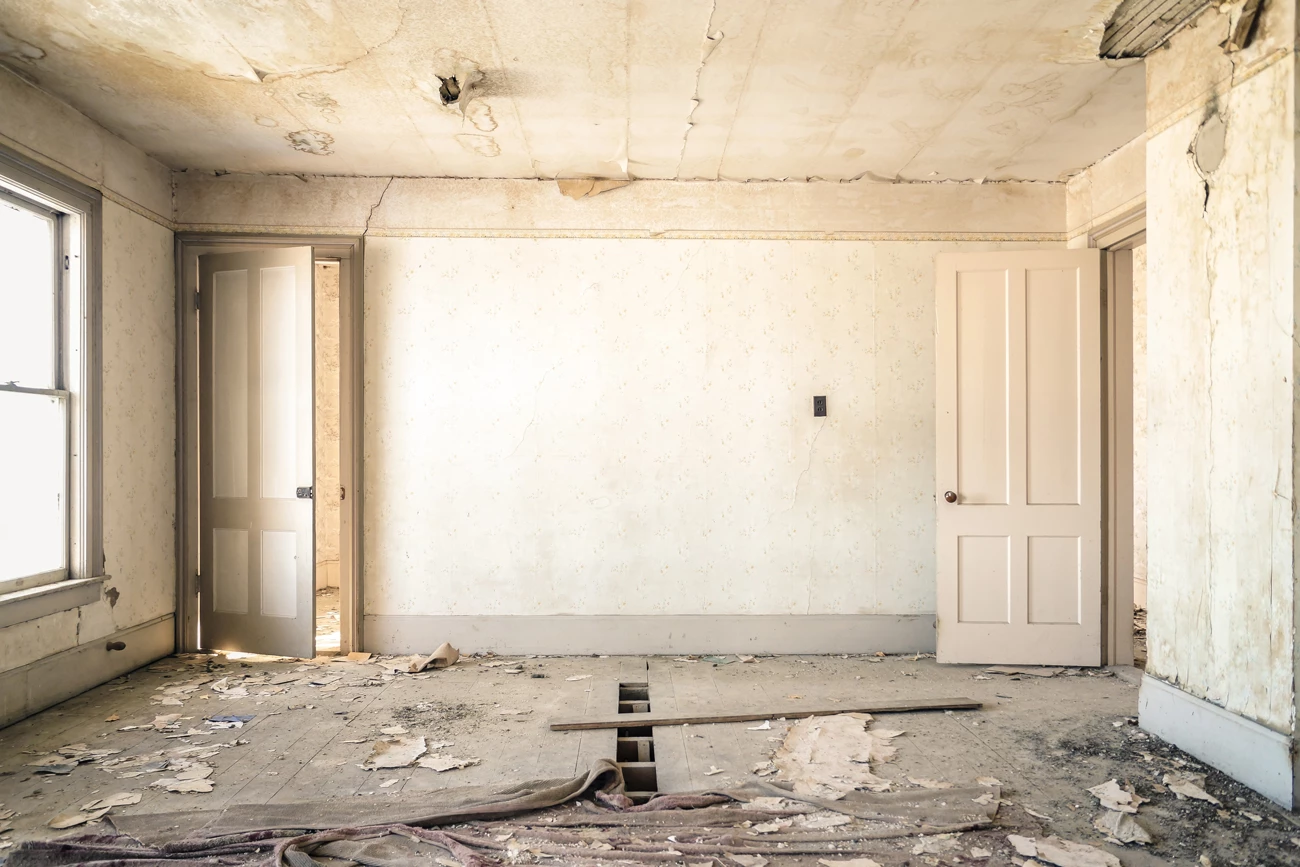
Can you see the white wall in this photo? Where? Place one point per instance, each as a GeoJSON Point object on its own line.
{"type": "Point", "coordinates": [138, 343]}
{"type": "Point", "coordinates": [625, 427]}
{"type": "Point", "coordinates": [1222, 364]}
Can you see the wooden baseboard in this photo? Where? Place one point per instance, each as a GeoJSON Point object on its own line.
{"type": "Point", "coordinates": [619, 635]}
{"type": "Point", "coordinates": [56, 678]}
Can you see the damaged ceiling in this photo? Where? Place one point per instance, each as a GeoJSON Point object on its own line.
{"type": "Point", "coordinates": [878, 90]}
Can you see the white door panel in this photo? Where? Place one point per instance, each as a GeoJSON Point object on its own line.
{"type": "Point", "coordinates": [1018, 469]}
{"type": "Point", "coordinates": [256, 563]}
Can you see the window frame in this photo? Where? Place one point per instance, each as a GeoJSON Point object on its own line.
{"type": "Point", "coordinates": [77, 210]}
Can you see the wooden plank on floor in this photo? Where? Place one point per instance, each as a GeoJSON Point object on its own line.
{"type": "Point", "coordinates": [699, 716]}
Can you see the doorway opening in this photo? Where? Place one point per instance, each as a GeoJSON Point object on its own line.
{"type": "Point", "coordinates": [328, 500]}
{"type": "Point", "coordinates": [1124, 244]}
{"type": "Point", "coordinates": [269, 429]}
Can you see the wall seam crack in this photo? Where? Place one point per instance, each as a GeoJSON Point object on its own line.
{"type": "Point", "coordinates": [705, 51]}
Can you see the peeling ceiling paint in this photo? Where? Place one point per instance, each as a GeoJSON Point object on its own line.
{"type": "Point", "coordinates": [884, 90]}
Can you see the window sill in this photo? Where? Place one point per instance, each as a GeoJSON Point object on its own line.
{"type": "Point", "coordinates": [21, 606]}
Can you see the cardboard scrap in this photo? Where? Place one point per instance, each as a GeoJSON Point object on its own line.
{"type": "Point", "coordinates": [829, 756]}
{"type": "Point", "coordinates": [581, 188]}
{"type": "Point", "coordinates": [1063, 853]}
{"type": "Point", "coordinates": [358, 656]}
{"type": "Point", "coordinates": [444, 656]}
{"type": "Point", "coordinates": [396, 752]}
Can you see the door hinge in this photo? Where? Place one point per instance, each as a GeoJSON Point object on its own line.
{"type": "Point", "coordinates": [67, 263]}
{"type": "Point", "coordinates": [343, 493]}
{"type": "Point", "coordinates": [305, 493]}
{"type": "Point", "coordinates": [198, 300]}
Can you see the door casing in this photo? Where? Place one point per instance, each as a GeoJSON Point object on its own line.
{"type": "Point", "coordinates": [349, 250]}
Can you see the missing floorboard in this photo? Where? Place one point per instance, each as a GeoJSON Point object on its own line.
{"type": "Point", "coordinates": [635, 746]}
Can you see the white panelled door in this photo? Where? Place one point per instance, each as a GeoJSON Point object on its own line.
{"type": "Point", "coordinates": [256, 549]}
{"type": "Point", "coordinates": [1018, 471]}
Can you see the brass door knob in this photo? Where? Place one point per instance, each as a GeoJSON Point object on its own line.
{"type": "Point", "coordinates": [950, 497]}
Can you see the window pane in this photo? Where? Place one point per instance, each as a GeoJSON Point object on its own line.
{"type": "Point", "coordinates": [33, 487]}
{"type": "Point", "coordinates": [28, 320]}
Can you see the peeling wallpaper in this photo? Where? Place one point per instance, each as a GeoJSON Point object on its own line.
{"type": "Point", "coordinates": [326, 493]}
{"type": "Point", "coordinates": [1221, 319]}
{"type": "Point", "coordinates": [585, 426]}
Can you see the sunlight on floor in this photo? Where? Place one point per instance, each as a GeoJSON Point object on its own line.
{"type": "Point", "coordinates": [327, 620]}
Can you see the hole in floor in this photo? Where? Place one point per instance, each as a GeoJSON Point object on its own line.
{"type": "Point", "coordinates": [635, 745]}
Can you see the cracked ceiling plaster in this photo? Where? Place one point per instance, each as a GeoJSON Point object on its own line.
{"type": "Point", "coordinates": [919, 90]}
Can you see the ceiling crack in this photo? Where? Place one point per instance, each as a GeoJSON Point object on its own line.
{"type": "Point", "coordinates": [370, 216]}
{"type": "Point", "coordinates": [707, 45]}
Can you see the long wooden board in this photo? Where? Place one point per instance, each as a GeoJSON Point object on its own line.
{"type": "Point", "coordinates": [629, 720]}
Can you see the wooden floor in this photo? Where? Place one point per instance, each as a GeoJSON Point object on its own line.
{"type": "Point", "coordinates": [306, 742]}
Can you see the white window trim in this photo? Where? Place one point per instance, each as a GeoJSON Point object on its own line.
{"type": "Point", "coordinates": [80, 209]}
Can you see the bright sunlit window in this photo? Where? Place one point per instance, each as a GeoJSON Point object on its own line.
{"type": "Point", "coordinates": [34, 430]}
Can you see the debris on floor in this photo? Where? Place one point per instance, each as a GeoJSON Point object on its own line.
{"type": "Point", "coordinates": [394, 752]}
{"type": "Point", "coordinates": [1033, 671]}
{"type": "Point", "coordinates": [1185, 784]}
{"type": "Point", "coordinates": [830, 756]}
{"type": "Point", "coordinates": [444, 656]}
{"type": "Point", "coordinates": [1063, 853]}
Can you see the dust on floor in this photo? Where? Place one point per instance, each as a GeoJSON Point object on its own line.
{"type": "Point", "coordinates": [311, 725]}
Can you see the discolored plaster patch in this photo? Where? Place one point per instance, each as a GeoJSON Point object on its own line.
{"type": "Point", "coordinates": [1211, 140]}
{"type": "Point", "coordinates": [322, 101]}
{"type": "Point", "coordinates": [266, 121]}
{"type": "Point", "coordinates": [483, 145]}
{"type": "Point", "coordinates": [311, 141]}
{"type": "Point", "coordinates": [479, 113]}
{"type": "Point", "coordinates": [13, 48]}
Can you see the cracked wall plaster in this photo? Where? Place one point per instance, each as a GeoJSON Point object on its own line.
{"type": "Point", "coordinates": [689, 89]}
{"type": "Point", "coordinates": [1222, 362]}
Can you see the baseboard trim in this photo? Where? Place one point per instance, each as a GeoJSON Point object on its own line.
{"type": "Point", "coordinates": [622, 635]}
{"type": "Point", "coordinates": [60, 676]}
{"type": "Point", "coordinates": [1248, 752]}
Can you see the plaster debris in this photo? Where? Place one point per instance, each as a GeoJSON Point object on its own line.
{"type": "Point", "coordinates": [1063, 853]}
{"type": "Point", "coordinates": [72, 820]}
{"type": "Point", "coordinates": [393, 730]}
{"type": "Point", "coordinates": [121, 799]}
{"type": "Point", "coordinates": [444, 656]}
{"type": "Point", "coordinates": [765, 727]}
{"type": "Point", "coordinates": [979, 854]}
{"type": "Point", "coordinates": [763, 769]}
{"type": "Point", "coordinates": [1185, 784]}
{"type": "Point", "coordinates": [578, 677]}
{"type": "Point", "coordinates": [1031, 672]}
{"type": "Point", "coordinates": [830, 756]}
{"type": "Point", "coordinates": [849, 862]}
{"type": "Point", "coordinates": [822, 819]}
{"type": "Point", "coordinates": [748, 860]}
{"type": "Point", "coordinates": [712, 771]}
{"type": "Point", "coordinates": [441, 763]}
{"type": "Point", "coordinates": [1122, 828]}
{"type": "Point", "coordinates": [936, 845]}
{"type": "Point", "coordinates": [928, 784]}
{"type": "Point", "coordinates": [395, 752]}
{"type": "Point", "coordinates": [1112, 797]}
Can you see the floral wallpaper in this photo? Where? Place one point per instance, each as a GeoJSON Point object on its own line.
{"type": "Point", "coordinates": [139, 414]}
{"type": "Point", "coordinates": [614, 426]}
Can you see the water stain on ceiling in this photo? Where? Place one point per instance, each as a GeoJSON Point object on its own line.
{"type": "Point", "coordinates": [915, 90]}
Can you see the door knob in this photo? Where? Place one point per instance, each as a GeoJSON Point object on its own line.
{"type": "Point", "coordinates": [950, 497]}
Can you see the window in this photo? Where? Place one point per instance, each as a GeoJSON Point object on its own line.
{"type": "Point", "coordinates": [49, 449]}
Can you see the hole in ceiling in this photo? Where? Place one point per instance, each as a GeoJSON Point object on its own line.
{"type": "Point", "coordinates": [449, 91]}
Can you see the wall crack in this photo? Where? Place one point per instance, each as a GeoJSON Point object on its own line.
{"type": "Point", "coordinates": [711, 40]}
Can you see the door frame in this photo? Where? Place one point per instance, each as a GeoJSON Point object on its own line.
{"type": "Point", "coordinates": [350, 251]}
{"type": "Point", "coordinates": [1116, 238]}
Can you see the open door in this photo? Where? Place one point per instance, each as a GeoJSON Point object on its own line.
{"type": "Point", "coordinates": [1018, 471]}
{"type": "Point", "coordinates": [256, 557]}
